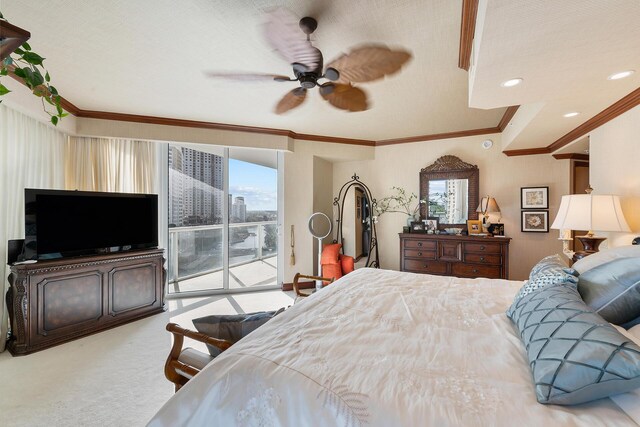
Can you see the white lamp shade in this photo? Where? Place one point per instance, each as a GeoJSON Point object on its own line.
{"type": "Point", "coordinates": [489, 204]}
{"type": "Point", "coordinates": [593, 212]}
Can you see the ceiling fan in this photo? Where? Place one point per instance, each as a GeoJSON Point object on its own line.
{"type": "Point", "coordinates": [363, 64]}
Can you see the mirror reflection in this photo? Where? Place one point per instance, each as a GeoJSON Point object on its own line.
{"type": "Point", "coordinates": [449, 200]}
{"type": "Point", "coordinates": [356, 226]}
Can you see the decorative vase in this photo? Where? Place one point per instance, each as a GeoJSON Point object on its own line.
{"type": "Point", "coordinates": [410, 219]}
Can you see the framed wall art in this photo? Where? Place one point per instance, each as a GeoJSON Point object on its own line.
{"type": "Point", "coordinates": [534, 198]}
{"type": "Point", "coordinates": [535, 221]}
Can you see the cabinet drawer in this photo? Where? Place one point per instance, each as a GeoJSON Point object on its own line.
{"type": "Point", "coordinates": [420, 244]}
{"type": "Point", "coordinates": [487, 248]}
{"type": "Point", "coordinates": [475, 270]}
{"type": "Point", "coordinates": [419, 266]}
{"type": "Point", "coordinates": [483, 259]}
{"type": "Point", "coordinates": [419, 253]}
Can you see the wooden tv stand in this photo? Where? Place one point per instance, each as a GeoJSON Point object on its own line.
{"type": "Point", "coordinates": [55, 301]}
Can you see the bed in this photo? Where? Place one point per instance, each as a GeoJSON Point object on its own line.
{"type": "Point", "coordinates": [381, 348]}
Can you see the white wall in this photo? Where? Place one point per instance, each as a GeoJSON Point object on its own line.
{"type": "Point", "coordinates": [614, 159]}
{"type": "Point", "coordinates": [500, 177]}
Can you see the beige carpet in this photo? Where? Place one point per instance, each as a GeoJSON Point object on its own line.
{"type": "Point", "coordinates": [112, 378]}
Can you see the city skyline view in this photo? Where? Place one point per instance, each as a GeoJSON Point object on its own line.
{"type": "Point", "coordinates": [196, 189]}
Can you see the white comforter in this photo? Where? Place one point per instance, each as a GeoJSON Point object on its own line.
{"type": "Point", "coordinates": [381, 348]}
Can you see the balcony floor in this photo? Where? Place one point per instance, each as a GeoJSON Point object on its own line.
{"type": "Point", "coordinates": [254, 274]}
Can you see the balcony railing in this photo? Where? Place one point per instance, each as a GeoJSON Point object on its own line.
{"type": "Point", "coordinates": [198, 250]}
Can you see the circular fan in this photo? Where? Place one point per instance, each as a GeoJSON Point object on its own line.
{"type": "Point", "coordinates": [362, 64]}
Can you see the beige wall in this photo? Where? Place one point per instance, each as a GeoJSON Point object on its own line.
{"type": "Point", "coordinates": [301, 181]}
{"type": "Point", "coordinates": [614, 163]}
{"type": "Point", "coordinates": [500, 176]}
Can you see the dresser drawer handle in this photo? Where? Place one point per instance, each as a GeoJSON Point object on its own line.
{"type": "Point", "coordinates": [419, 244]}
{"type": "Point", "coordinates": [482, 248]}
{"type": "Point", "coordinates": [481, 258]}
{"type": "Point", "coordinates": [475, 270]}
{"type": "Point", "coordinates": [419, 253]}
{"type": "Point", "coordinates": [426, 266]}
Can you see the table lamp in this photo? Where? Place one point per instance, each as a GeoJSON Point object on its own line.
{"type": "Point", "coordinates": [601, 212]}
{"type": "Point", "coordinates": [488, 205]}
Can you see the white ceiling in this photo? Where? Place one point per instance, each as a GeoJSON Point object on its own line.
{"type": "Point", "coordinates": [564, 51]}
{"type": "Point", "coordinates": [148, 57]}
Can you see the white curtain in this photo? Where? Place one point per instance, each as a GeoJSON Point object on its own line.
{"type": "Point", "coordinates": [109, 164]}
{"type": "Point", "coordinates": [31, 156]}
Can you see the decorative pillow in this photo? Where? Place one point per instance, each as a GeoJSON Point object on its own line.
{"type": "Point", "coordinates": [607, 255]}
{"type": "Point", "coordinates": [613, 290]}
{"type": "Point", "coordinates": [550, 271]}
{"type": "Point", "coordinates": [575, 356]}
{"type": "Point", "coordinates": [330, 253]}
{"type": "Point", "coordinates": [231, 327]}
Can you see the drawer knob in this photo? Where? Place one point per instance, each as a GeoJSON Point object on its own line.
{"type": "Point", "coordinates": [426, 266]}
{"type": "Point", "coordinates": [475, 270]}
{"type": "Point", "coordinates": [419, 253]}
{"type": "Point", "coordinates": [419, 244]}
{"type": "Point", "coordinates": [482, 248]}
{"type": "Point", "coordinates": [481, 258]}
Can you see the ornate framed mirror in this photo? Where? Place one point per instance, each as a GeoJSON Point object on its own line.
{"type": "Point", "coordinates": [452, 189]}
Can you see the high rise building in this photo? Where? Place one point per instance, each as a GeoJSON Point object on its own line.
{"type": "Point", "coordinates": [176, 178]}
{"type": "Point", "coordinates": [202, 186]}
{"type": "Point", "coordinates": [239, 210]}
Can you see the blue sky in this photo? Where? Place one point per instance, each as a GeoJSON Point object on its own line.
{"type": "Point", "coordinates": [258, 185]}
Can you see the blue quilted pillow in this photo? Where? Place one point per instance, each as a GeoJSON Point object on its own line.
{"type": "Point", "coordinates": [550, 271]}
{"type": "Point", "coordinates": [575, 355]}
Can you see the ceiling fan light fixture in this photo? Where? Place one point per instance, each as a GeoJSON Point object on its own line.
{"type": "Point", "coordinates": [620, 75]}
{"type": "Point", "coordinates": [511, 82]}
{"type": "Point", "coordinates": [332, 74]}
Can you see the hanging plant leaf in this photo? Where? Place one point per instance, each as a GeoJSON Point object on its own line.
{"type": "Point", "coordinates": [53, 90]}
{"type": "Point", "coordinates": [20, 73]}
{"type": "Point", "coordinates": [19, 51]}
{"type": "Point", "coordinates": [54, 120]}
{"type": "Point", "coordinates": [4, 72]}
{"type": "Point", "coordinates": [26, 46]}
{"type": "Point", "coordinates": [3, 90]}
{"type": "Point", "coordinates": [33, 58]}
{"type": "Point", "coordinates": [47, 77]}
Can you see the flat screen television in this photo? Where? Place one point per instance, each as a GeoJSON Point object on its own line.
{"type": "Point", "coordinates": [73, 223]}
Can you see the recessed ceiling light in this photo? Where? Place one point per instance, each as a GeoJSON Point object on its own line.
{"type": "Point", "coordinates": [511, 83]}
{"type": "Point", "coordinates": [620, 75]}
{"type": "Point", "coordinates": [571, 114]}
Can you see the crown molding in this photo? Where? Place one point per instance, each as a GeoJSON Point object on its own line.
{"type": "Point", "coordinates": [467, 31]}
{"type": "Point", "coordinates": [571, 156]}
{"type": "Point", "coordinates": [431, 137]}
{"type": "Point", "coordinates": [527, 151]}
{"type": "Point", "coordinates": [508, 115]}
{"type": "Point", "coordinates": [614, 110]}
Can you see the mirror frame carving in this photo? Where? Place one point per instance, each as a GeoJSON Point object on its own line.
{"type": "Point", "coordinates": [373, 258]}
{"type": "Point", "coordinates": [451, 167]}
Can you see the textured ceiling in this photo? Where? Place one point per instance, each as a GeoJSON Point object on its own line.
{"type": "Point", "coordinates": [564, 51]}
{"type": "Point", "coordinates": [148, 57]}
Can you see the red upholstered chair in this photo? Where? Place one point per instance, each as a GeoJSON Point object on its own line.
{"type": "Point", "coordinates": [335, 264]}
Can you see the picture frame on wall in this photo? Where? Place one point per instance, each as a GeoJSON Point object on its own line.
{"type": "Point", "coordinates": [417, 227]}
{"type": "Point", "coordinates": [474, 226]}
{"type": "Point", "coordinates": [534, 198]}
{"type": "Point", "coordinates": [535, 221]}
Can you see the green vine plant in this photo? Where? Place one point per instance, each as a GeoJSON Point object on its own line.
{"type": "Point", "coordinates": [28, 66]}
{"type": "Point", "coordinates": [400, 202]}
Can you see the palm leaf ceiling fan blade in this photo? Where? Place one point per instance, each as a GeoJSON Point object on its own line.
{"type": "Point", "coordinates": [282, 31]}
{"type": "Point", "coordinates": [291, 100]}
{"type": "Point", "coordinates": [345, 97]}
{"type": "Point", "coordinates": [368, 63]}
{"type": "Point", "coordinates": [248, 77]}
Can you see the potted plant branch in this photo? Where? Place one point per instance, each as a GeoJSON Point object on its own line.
{"type": "Point", "coordinates": [26, 66]}
{"type": "Point", "coordinates": [400, 202]}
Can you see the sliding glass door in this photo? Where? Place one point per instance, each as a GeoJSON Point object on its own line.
{"type": "Point", "coordinates": [223, 219]}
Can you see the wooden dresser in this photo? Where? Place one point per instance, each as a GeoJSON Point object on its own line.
{"type": "Point", "coordinates": [454, 255]}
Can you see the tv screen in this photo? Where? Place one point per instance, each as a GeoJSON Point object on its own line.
{"type": "Point", "coordinates": [72, 223]}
